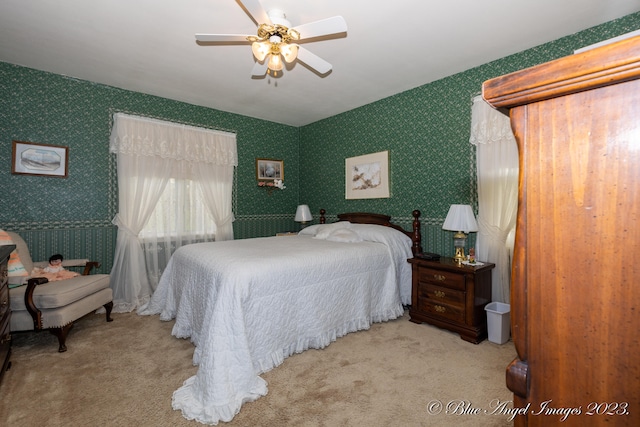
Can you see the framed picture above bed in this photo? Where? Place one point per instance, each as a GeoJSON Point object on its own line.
{"type": "Point", "coordinates": [29, 158]}
{"type": "Point", "coordinates": [367, 176]}
{"type": "Point", "coordinates": [269, 169]}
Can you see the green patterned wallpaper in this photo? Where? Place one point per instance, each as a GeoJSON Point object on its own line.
{"type": "Point", "coordinates": [73, 216]}
{"type": "Point", "coordinates": [426, 130]}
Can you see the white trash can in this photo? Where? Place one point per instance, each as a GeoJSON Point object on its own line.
{"type": "Point", "coordinates": [498, 322]}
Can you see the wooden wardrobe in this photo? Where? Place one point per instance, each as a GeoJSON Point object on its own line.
{"type": "Point", "coordinates": [575, 293]}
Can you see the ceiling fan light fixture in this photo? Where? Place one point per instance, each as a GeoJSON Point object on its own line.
{"type": "Point", "coordinates": [261, 50]}
{"type": "Point", "coordinates": [276, 37]}
{"type": "Point", "coordinates": [289, 52]}
{"type": "Point", "coordinates": [275, 62]}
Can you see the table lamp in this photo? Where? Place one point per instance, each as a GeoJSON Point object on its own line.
{"type": "Point", "coordinates": [303, 215]}
{"type": "Point", "coordinates": [461, 220]}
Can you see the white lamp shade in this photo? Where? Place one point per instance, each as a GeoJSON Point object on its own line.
{"type": "Point", "coordinates": [289, 52]}
{"type": "Point", "coordinates": [260, 50]}
{"type": "Point", "coordinates": [275, 62]}
{"type": "Point", "coordinates": [460, 218]}
{"type": "Point", "coordinates": [303, 214]}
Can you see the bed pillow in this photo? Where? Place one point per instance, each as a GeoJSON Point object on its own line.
{"type": "Point", "coordinates": [310, 230]}
{"type": "Point", "coordinates": [322, 231]}
{"type": "Point", "coordinates": [394, 239]}
{"type": "Point", "coordinates": [344, 235]}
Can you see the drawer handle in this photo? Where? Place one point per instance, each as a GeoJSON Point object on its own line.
{"type": "Point", "coordinates": [440, 309]}
{"type": "Point", "coordinates": [5, 302]}
{"type": "Point", "coordinates": [439, 277]}
{"type": "Point", "coordinates": [439, 294]}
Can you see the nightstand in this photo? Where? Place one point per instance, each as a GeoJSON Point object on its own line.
{"type": "Point", "coordinates": [451, 296]}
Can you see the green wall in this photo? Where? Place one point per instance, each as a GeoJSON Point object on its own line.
{"type": "Point", "coordinates": [426, 131]}
{"type": "Point", "coordinates": [73, 216]}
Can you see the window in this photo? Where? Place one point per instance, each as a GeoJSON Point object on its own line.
{"type": "Point", "coordinates": [150, 153]}
{"type": "Point", "coordinates": [180, 213]}
{"type": "Point", "coordinates": [180, 218]}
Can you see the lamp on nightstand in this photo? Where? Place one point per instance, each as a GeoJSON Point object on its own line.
{"type": "Point", "coordinates": [461, 220]}
{"type": "Point", "coordinates": [303, 215]}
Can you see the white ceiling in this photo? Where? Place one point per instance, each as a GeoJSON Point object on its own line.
{"type": "Point", "coordinates": [149, 46]}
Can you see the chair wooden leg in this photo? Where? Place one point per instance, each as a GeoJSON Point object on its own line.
{"type": "Point", "coordinates": [61, 333]}
{"type": "Point", "coordinates": [108, 307]}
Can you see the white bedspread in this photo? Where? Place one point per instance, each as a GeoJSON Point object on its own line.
{"type": "Point", "coordinates": [249, 304]}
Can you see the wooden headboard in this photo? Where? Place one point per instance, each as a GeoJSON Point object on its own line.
{"type": "Point", "coordinates": [379, 219]}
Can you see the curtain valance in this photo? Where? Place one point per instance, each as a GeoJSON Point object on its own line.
{"type": "Point", "coordinates": [150, 137]}
{"type": "Point", "coordinates": [488, 125]}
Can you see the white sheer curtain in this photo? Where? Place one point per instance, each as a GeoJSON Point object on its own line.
{"type": "Point", "coordinates": [149, 154]}
{"type": "Point", "coordinates": [497, 170]}
{"type": "Point", "coordinates": [217, 196]}
{"type": "Point", "coordinates": [181, 217]}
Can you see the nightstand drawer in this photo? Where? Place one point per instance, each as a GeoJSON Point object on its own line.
{"type": "Point", "coordinates": [441, 295]}
{"type": "Point", "coordinates": [441, 278]}
{"type": "Point", "coordinates": [442, 309]}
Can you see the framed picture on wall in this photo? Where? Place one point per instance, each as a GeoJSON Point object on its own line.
{"type": "Point", "coordinates": [30, 158]}
{"type": "Point", "coordinates": [367, 177]}
{"type": "Point", "coordinates": [269, 169]}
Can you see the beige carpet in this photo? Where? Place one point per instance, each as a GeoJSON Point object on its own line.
{"type": "Point", "coordinates": [123, 373]}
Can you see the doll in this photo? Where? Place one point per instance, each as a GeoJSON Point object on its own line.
{"type": "Point", "coordinates": [55, 270]}
{"type": "Point", "coordinates": [55, 264]}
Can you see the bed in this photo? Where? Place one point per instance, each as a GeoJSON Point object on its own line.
{"type": "Point", "coordinates": [248, 304]}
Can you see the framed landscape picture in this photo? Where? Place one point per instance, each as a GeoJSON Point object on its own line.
{"type": "Point", "coordinates": [367, 177]}
{"type": "Point", "coordinates": [269, 169]}
{"type": "Point", "coordinates": [29, 158]}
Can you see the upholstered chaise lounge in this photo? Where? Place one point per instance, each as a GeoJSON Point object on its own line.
{"type": "Point", "coordinates": [40, 304]}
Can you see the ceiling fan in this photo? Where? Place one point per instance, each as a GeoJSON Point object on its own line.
{"type": "Point", "coordinates": [277, 40]}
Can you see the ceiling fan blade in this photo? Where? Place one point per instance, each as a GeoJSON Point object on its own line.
{"type": "Point", "coordinates": [257, 12]}
{"type": "Point", "coordinates": [259, 69]}
{"type": "Point", "coordinates": [334, 25]}
{"type": "Point", "coordinates": [221, 38]}
{"type": "Point", "coordinates": [313, 61]}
